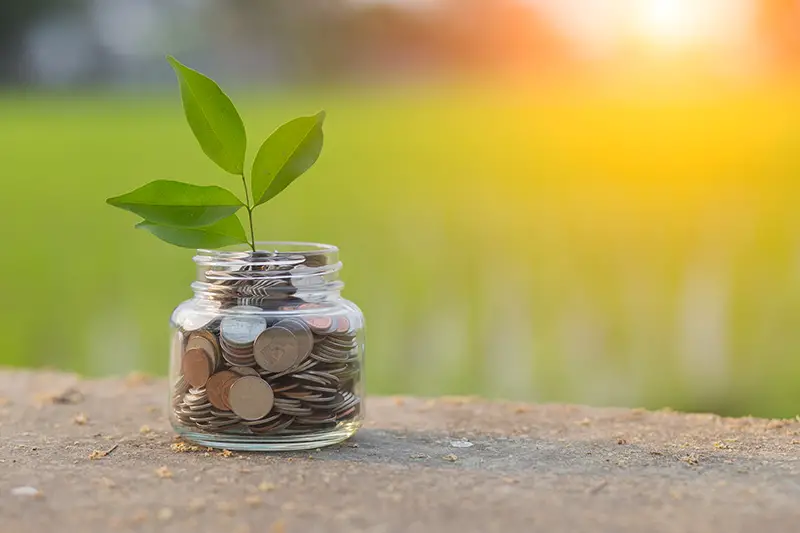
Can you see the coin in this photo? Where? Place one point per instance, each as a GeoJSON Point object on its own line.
{"type": "Point", "coordinates": [242, 330]}
{"type": "Point", "coordinates": [276, 349]}
{"type": "Point", "coordinates": [226, 392]}
{"type": "Point", "coordinates": [304, 277]}
{"type": "Point", "coordinates": [244, 370]}
{"type": "Point", "coordinates": [342, 324]}
{"type": "Point", "coordinates": [251, 398]}
{"type": "Point", "coordinates": [237, 351]}
{"type": "Point", "coordinates": [305, 339]}
{"type": "Point", "coordinates": [319, 324]}
{"type": "Point", "coordinates": [214, 387]}
{"type": "Point", "coordinates": [196, 367]}
{"type": "Point", "coordinates": [197, 342]}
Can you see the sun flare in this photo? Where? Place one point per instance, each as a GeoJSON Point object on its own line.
{"type": "Point", "coordinates": [689, 22]}
{"type": "Point", "coordinates": [668, 21]}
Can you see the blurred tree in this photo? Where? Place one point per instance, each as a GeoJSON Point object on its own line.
{"type": "Point", "coordinates": [325, 39]}
{"type": "Point", "coordinates": [17, 17]}
{"type": "Point", "coordinates": [279, 39]}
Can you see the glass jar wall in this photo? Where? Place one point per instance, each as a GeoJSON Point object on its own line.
{"type": "Point", "coordinates": [267, 355]}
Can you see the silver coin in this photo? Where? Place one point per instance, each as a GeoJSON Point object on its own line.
{"type": "Point", "coordinates": [311, 378]}
{"type": "Point", "coordinates": [242, 330]}
{"type": "Point", "coordinates": [244, 370]}
{"type": "Point", "coordinates": [302, 367]}
{"type": "Point", "coordinates": [276, 349]}
{"type": "Point", "coordinates": [251, 398]}
{"type": "Point", "coordinates": [328, 376]}
{"type": "Point", "coordinates": [301, 331]}
{"type": "Point", "coordinates": [306, 278]}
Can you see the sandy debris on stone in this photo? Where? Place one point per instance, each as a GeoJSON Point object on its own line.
{"type": "Point", "coordinates": [98, 454]}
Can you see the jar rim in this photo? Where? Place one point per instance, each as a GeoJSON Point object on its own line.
{"type": "Point", "coordinates": [290, 264]}
{"type": "Point", "coordinates": [281, 247]}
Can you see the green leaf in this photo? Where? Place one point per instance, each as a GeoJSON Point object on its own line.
{"type": "Point", "coordinates": [179, 204]}
{"type": "Point", "coordinates": [285, 155]}
{"type": "Point", "coordinates": [213, 118]}
{"type": "Point", "coordinates": [224, 233]}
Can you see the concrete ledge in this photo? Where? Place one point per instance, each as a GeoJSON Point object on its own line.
{"type": "Point", "coordinates": [450, 464]}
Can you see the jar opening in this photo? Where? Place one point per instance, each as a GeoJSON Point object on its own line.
{"type": "Point", "coordinates": [269, 252]}
{"type": "Point", "coordinates": [274, 271]}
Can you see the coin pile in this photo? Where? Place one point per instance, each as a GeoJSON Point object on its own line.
{"type": "Point", "coordinates": [249, 372]}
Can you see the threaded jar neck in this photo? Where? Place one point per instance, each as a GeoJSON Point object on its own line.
{"type": "Point", "coordinates": [276, 271]}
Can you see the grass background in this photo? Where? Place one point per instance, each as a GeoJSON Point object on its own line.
{"type": "Point", "coordinates": [636, 248]}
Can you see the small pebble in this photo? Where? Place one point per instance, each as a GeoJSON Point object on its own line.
{"type": "Point", "coordinates": [463, 443]}
{"type": "Point", "coordinates": [26, 491]}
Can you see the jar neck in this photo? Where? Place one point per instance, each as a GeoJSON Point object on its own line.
{"type": "Point", "coordinates": [275, 273]}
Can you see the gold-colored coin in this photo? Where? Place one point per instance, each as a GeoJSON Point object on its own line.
{"type": "Point", "coordinates": [251, 398]}
{"type": "Point", "coordinates": [196, 367]}
{"type": "Point", "coordinates": [206, 341]}
{"type": "Point", "coordinates": [214, 388]}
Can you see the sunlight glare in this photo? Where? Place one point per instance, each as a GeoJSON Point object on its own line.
{"type": "Point", "coordinates": [669, 21]}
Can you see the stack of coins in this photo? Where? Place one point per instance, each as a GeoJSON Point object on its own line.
{"type": "Point", "coordinates": [201, 357]}
{"type": "Point", "coordinates": [265, 279]}
{"type": "Point", "coordinates": [238, 334]}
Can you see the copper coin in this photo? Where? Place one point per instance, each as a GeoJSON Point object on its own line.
{"type": "Point", "coordinates": [276, 349]}
{"type": "Point", "coordinates": [196, 367]}
{"type": "Point", "coordinates": [214, 387]}
{"type": "Point", "coordinates": [319, 324]}
{"type": "Point", "coordinates": [342, 324]}
{"type": "Point", "coordinates": [205, 341]}
{"type": "Point", "coordinates": [226, 391]}
{"type": "Point", "coordinates": [251, 398]}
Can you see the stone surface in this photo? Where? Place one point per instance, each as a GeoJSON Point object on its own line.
{"type": "Point", "coordinates": [529, 467]}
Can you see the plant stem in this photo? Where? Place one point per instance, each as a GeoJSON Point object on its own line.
{"type": "Point", "coordinates": [249, 214]}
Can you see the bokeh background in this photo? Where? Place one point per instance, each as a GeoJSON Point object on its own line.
{"type": "Point", "coordinates": [589, 201]}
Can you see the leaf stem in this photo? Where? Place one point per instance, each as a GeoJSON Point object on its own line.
{"type": "Point", "coordinates": [249, 214]}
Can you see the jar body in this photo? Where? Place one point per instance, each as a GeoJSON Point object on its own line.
{"type": "Point", "coordinates": [268, 355]}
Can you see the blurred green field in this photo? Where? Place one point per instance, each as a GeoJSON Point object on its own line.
{"type": "Point", "coordinates": [614, 249]}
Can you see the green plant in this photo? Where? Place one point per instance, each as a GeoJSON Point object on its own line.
{"type": "Point", "coordinates": [192, 216]}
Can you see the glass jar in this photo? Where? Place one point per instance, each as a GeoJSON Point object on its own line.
{"type": "Point", "coordinates": [267, 355]}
